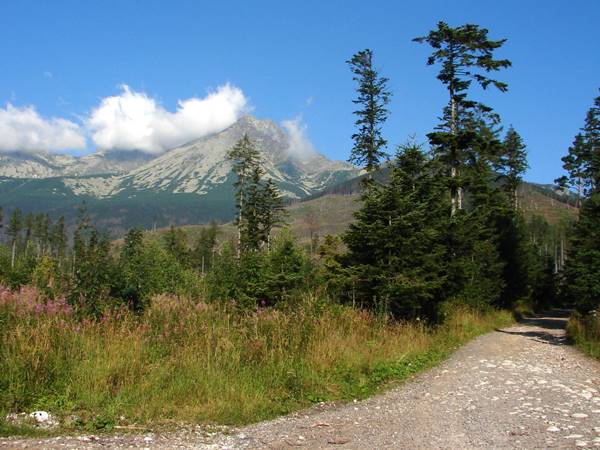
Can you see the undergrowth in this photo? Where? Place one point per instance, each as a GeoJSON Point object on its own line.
{"type": "Point", "coordinates": [190, 362]}
{"type": "Point", "coordinates": [584, 331]}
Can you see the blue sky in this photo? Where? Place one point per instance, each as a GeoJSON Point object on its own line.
{"type": "Point", "coordinates": [288, 58]}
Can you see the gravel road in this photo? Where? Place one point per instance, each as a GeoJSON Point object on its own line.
{"type": "Point", "coordinates": [519, 387]}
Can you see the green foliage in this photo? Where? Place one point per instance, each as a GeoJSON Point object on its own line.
{"type": "Point", "coordinates": [512, 162]}
{"type": "Point", "coordinates": [259, 204]}
{"type": "Point", "coordinates": [465, 54]}
{"type": "Point", "coordinates": [373, 97]}
{"type": "Point", "coordinates": [582, 283]}
{"type": "Point", "coordinates": [261, 278]}
{"type": "Point", "coordinates": [175, 242]}
{"type": "Point", "coordinates": [582, 161]}
{"type": "Point", "coordinates": [396, 256]}
{"type": "Point", "coordinates": [206, 363]}
{"type": "Point", "coordinates": [584, 331]}
{"type": "Point", "coordinates": [91, 273]}
{"type": "Point", "coordinates": [288, 271]}
{"type": "Point", "coordinates": [46, 277]}
{"type": "Point", "coordinates": [203, 252]}
{"type": "Point", "coordinates": [147, 269]}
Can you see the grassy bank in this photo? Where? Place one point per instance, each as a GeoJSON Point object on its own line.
{"type": "Point", "coordinates": [584, 331]}
{"type": "Point", "coordinates": [193, 362]}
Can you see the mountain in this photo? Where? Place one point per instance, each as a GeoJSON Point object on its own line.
{"type": "Point", "coordinates": [188, 184]}
{"type": "Point", "coordinates": [46, 165]}
{"type": "Point", "coordinates": [200, 166]}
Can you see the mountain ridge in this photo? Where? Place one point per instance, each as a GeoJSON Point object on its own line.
{"type": "Point", "coordinates": [190, 183]}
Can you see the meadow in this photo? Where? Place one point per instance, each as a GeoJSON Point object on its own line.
{"type": "Point", "coordinates": [186, 361]}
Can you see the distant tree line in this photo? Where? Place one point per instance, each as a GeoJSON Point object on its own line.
{"type": "Point", "coordinates": [439, 224]}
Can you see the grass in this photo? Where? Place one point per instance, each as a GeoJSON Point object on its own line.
{"type": "Point", "coordinates": [187, 362]}
{"type": "Point", "coordinates": [584, 331]}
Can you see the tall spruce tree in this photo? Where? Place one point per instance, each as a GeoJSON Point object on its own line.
{"type": "Point", "coordinates": [574, 162]}
{"type": "Point", "coordinates": [252, 233]}
{"type": "Point", "coordinates": [245, 160]}
{"type": "Point", "coordinates": [582, 284]}
{"type": "Point", "coordinates": [372, 97]}
{"type": "Point", "coordinates": [259, 203]}
{"type": "Point", "coordinates": [271, 212]}
{"type": "Point", "coordinates": [582, 162]}
{"type": "Point", "coordinates": [465, 54]}
{"type": "Point", "coordinates": [396, 258]}
{"type": "Point", "coordinates": [512, 163]}
{"type": "Point", "coordinates": [591, 133]}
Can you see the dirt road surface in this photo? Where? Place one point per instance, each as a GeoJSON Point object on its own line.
{"type": "Point", "coordinates": [520, 387]}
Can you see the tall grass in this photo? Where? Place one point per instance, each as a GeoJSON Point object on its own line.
{"type": "Point", "coordinates": [585, 332]}
{"type": "Point", "coordinates": [194, 362]}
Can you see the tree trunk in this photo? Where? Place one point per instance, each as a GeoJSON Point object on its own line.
{"type": "Point", "coordinates": [240, 218]}
{"type": "Point", "coordinates": [14, 250]}
{"type": "Point", "coordinates": [562, 252]}
{"type": "Point", "coordinates": [456, 194]}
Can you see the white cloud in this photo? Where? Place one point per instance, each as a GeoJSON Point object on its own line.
{"type": "Point", "coordinates": [23, 129]}
{"type": "Point", "coordinates": [133, 120]}
{"type": "Point", "coordinates": [48, 74]}
{"type": "Point", "coordinates": [299, 144]}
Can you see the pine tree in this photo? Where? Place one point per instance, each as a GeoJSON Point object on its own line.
{"type": "Point", "coordinates": [575, 165]}
{"type": "Point", "coordinates": [13, 231]}
{"type": "Point", "coordinates": [271, 210]}
{"type": "Point", "coordinates": [92, 266]}
{"type": "Point", "coordinates": [58, 240]}
{"type": "Point", "coordinates": [251, 236]}
{"type": "Point", "coordinates": [286, 271]}
{"type": "Point", "coordinates": [132, 271]}
{"type": "Point", "coordinates": [133, 243]}
{"type": "Point", "coordinates": [41, 232]}
{"type": "Point", "coordinates": [259, 203]}
{"type": "Point", "coordinates": [245, 164]}
{"type": "Point", "coordinates": [582, 161]}
{"type": "Point", "coordinates": [373, 97]}
{"type": "Point", "coordinates": [512, 163]}
{"type": "Point", "coordinates": [176, 244]}
{"type": "Point", "coordinates": [591, 133]}
{"type": "Point", "coordinates": [582, 284]}
{"type": "Point", "coordinates": [80, 236]}
{"type": "Point", "coordinates": [29, 226]}
{"type": "Point", "coordinates": [475, 266]}
{"type": "Point", "coordinates": [466, 55]}
{"type": "Point", "coordinates": [205, 248]}
{"type": "Point", "coordinates": [396, 257]}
